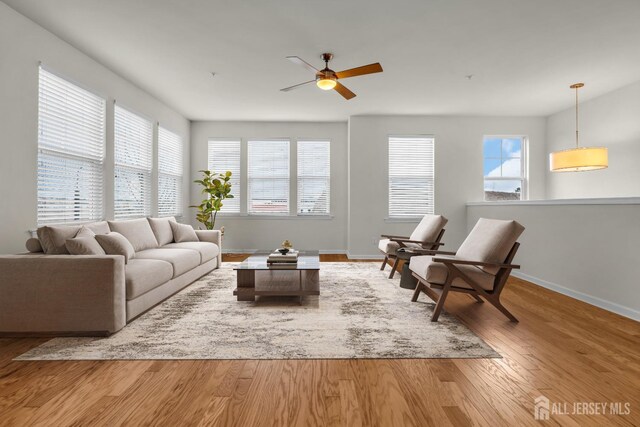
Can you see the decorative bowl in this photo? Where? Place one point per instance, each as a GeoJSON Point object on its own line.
{"type": "Point", "coordinates": [283, 251]}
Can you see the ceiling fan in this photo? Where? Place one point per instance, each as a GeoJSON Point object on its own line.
{"type": "Point", "coordinates": [327, 79]}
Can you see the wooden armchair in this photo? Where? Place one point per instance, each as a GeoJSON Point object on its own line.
{"type": "Point", "coordinates": [427, 235]}
{"type": "Point", "coordinates": [479, 268]}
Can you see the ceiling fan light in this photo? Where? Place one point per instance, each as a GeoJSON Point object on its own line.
{"type": "Point", "coordinates": [579, 159]}
{"type": "Point", "coordinates": [326, 83]}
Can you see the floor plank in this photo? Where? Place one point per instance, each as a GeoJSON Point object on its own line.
{"type": "Point", "coordinates": [564, 349]}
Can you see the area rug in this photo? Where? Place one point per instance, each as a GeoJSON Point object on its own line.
{"type": "Point", "coordinates": [359, 314]}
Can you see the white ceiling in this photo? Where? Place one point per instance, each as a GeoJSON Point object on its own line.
{"type": "Point", "coordinates": [523, 54]}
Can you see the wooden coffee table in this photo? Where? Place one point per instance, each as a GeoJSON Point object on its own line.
{"type": "Point", "coordinates": [256, 277]}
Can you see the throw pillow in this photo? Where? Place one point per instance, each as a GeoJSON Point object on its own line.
{"type": "Point", "coordinates": [33, 245]}
{"type": "Point", "coordinates": [162, 229]}
{"type": "Point", "coordinates": [137, 231]}
{"type": "Point", "coordinates": [84, 246]}
{"type": "Point", "coordinates": [183, 232]}
{"type": "Point", "coordinates": [85, 232]}
{"type": "Point", "coordinates": [53, 238]}
{"type": "Point", "coordinates": [116, 244]}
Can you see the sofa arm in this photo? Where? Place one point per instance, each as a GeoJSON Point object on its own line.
{"type": "Point", "coordinates": [212, 236]}
{"type": "Point", "coordinates": [62, 294]}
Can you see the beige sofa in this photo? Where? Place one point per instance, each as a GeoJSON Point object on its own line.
{"type": "Point", "coordinates": [51, 292]}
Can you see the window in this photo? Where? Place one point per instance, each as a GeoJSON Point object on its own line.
{"type": "Point", "coordinates": [71, 145]}
{"type": "Point", "coordinates": [314, 179]}
{"type": "Point", "coordinates": [133, 140]}
{"type": "Point", "coordinates": [169, 173]}
{"type": "Point", "coordinates": [411, 176]}
{"type": "Point", "coordinates": [504, 168]}
{"type": "Point", "coordinates": [224, 155]}
{"type": "Point", "coordinates": [268, 177]}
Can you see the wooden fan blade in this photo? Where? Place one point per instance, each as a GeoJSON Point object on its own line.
{"type": "Point", "coordinates": [342, 90]}
{"type": "Point", "coordinates": [287, 89]}
{"type": "Point", "coordinates": [302, 62]}
{"type": "Point", "coordinates": [359, 71]}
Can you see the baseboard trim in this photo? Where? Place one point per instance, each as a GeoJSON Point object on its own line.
{"type": "Point", "coordinates": [356, 256]}
{"type": "Point", "coordinates": [589, 299]}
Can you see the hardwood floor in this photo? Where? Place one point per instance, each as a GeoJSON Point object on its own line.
{"type": "Point", "coordinates": [563, 349]}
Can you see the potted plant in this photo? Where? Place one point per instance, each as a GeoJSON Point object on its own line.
{"type": "Point", "coordinates": [217, 188]}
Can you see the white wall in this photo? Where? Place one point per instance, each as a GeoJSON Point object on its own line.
{"type": "Point", "coordinates": [23, 44]}
{"type": "Point", "coordinates": [459, 173]}
{"type": "Point", "coordinates": [587, 251]}
{"type": "Point", "coordinates": [611, 120]}
{"type": "Point", "coordinates": [248, 233]}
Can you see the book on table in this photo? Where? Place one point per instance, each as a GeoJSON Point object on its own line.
{"type": "Point", "coordinates": [276, 257]}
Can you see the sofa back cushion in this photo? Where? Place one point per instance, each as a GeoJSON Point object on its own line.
{"type": "Point", "coordinates": [84, 246]}
{"type": "Point", "coordinates": [490, 241]}
{"type": "Point", "coordinates": [116, 244]}
{"type": "Point", "coordinates": [100, 227]}
{"type": "Point", "coordinates": [53, 238]}
{"type": "Point", "coordinates": [183, 233]}
{"type": "Point", "coordinates": [429, 228]}
{"type": "Point", "coordinates": [137, 231]}
{"type": "Point", "coordinates": [162, 229]}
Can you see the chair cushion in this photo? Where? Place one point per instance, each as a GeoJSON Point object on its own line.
{"type": "Point", "coordinates": [436, 272]}
{"type": "Point", "coordinates": [208, 251]}
{"type": "Point", "coordinates": [53, 238]}
{"type": "Point", "coordinates": [429, 228]}
{"type": "Point", "coordinates": [84, 246]}
{"type": "Point", "coordinates": [390, 248]}
{"type": "Point", "coordinates": [162, 229]}
{"type": "Point", "coordinates": [183, 232]}
{"type": "Point", "coordinates": [137, 231]}
{"type": "Point", "coordinates": [182, 260]}
{"type": "Point", "coordinates": [116, 244]}
{"type": "Point", "coordinates": [490, 241]}
{"type": "Point", "coordinates": [143, 275]}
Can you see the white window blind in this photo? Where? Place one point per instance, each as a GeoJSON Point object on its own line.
{"type": "Point", "coordinates": [133, 137]}
{"type": "Point", "coordinates": [314, 177]}
{"type": "Point", "coordinates": [224, 155]}
{"type": "Point", "coordinates": [71, 144]}
{"type": "Point", "coordinates": [268, 177]}
{"type": "Point", "coordinates": [411, 176]}
{"type": "Point", "coordinates": [170, 169]}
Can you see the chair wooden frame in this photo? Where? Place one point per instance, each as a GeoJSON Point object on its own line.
{"type": "Point", "coordinates": [439, 292]}
{"type": "Point", "coordinates": [401, 240]}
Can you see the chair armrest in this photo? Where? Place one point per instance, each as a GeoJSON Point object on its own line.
{"type": "Point", "coordinates": [390, 236]}
{"type": "Point", "coordinates": [432, 251]}
{"type": "Point", "coordinates": [212, 236]}
{"type": "Point", "coordinates": [62, 294]}
{"type": "Point", "coordinates": [419, 242]}
{"type": "Point", "coordinates": [447, 260]}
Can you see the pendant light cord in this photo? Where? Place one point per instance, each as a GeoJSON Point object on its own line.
{"type": "Point", "coordinates": [577, 117]}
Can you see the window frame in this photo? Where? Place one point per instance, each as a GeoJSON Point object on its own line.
{"type": "Point", "coordinates": [251, 213]}
{"type": "Point", "coordinates": [410, 218]}
{"type": "Point", "coordinates": [236, 186]}
{"type": "Point", "coordinates": [98, 213]}
{"type": "Point", "coordinates": [298, 177]}
{"type": "Point", "coordinates": [179, 202]}
{"type": "Point", "coordinates": [524, 169]}
{"type": "Point", "coordinates": [148, 206]}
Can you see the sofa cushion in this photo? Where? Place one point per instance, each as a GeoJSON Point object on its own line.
{"type": "Point", "coordinates": [490, 241]}
{"type": "Point", "coordinates": [85, 232]}
{"type": "Point", "coordinates": [183, 232]}
{"type": "Point", "coordinates": [116, 244]}
{"type": "Point", "coordinates": [100, 227]}
{"type": "Point", "coordinates": [182, 260]}
{"type": "Point", "coordinates": [33, 245]}
{"type": "Point", "coordinates": [429, 228]}
{"type": "Point", "coordinates": [84, 246]}
{"type": "Point", "coordinates": [436, 272]}
{"type": "Point", "coordinates": [208, 251]}
{"type": "Point", "coordinates": [137, 231]}
{"type": "Point", "coordinates": [143, 275]}
{"type": "Point", "coordinates": [162, 229]}
{"type": "Point", "coordinates": [54, 237]}
{"type": "Point", "coordinates": [390, 248]}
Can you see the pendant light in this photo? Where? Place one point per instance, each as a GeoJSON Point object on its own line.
{"type": "Point", "coordinates": [579, 159]}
